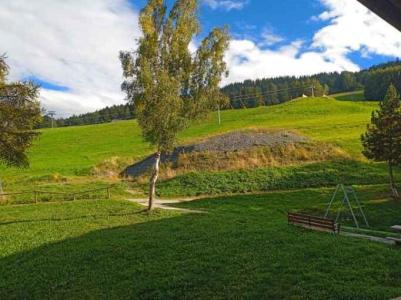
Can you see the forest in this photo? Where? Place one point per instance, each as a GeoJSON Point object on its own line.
{"type": "Point", "coordinates": [105, 115]}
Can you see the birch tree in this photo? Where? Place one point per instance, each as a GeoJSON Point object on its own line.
{"type": "Point", "coordinates": [169, 85]}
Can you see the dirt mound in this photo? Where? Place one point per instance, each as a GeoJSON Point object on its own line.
{"type": "Point", "coordinates": [243, 140]}
{"type": "Point", "coordinates": [238, 150]}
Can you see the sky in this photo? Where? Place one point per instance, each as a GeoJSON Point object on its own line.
{"type": "Point", "coordinates": [71, 47]}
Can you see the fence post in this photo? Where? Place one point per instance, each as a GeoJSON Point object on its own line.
{"type": "Point", "coordinates": [108, 193]}
{"type": "Point", "coordinates": [36, 196]}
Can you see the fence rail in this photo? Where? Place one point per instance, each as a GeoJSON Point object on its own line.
{"type": "Point", "coordinates": [66, 195]}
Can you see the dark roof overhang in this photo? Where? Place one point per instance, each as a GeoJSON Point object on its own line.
{"type": "Point", "coordinates": [389, 10]}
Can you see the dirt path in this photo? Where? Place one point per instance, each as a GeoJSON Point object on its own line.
{"type": "Point", "coordinates": [166, 204]}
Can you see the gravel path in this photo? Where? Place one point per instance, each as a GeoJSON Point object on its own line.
{"type": "Point", "coordinates": [166, 204]}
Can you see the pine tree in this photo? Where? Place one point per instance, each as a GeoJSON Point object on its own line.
{"type": "Point", "coordinates": [168, 85]}
{"type": "Point", "coordinates": [382, 141]}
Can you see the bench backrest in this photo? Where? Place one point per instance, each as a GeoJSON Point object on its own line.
{"type": "Point", "coordinates": [313, 222]}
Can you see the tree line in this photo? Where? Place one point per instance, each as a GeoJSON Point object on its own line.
{"type": "Point", "coordinates": [105, 115]}
{"type": "Point", "coordinates": [268, 91]}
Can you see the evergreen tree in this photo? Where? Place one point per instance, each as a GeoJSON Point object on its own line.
{"type": "Point", "coordinates": [273, 94]}
{"type": "Point", "coordinates": [382, 141]}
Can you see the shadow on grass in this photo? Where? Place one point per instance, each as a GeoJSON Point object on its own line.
{"type": "Point", "coordinates": [242, 249]}
{"type": "Point", "coordinates": [73, 218]}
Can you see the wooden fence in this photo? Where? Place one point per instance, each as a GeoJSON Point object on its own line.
{"type": "Point", "coordinates": [39, 195]}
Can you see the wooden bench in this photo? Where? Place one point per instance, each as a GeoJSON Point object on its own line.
{"type": "Point", "coordinates": [396, 240]}
{"type": "Point", "coordinates": [315, 223]}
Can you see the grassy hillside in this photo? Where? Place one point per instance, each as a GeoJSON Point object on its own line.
{"type": "Point", "coordinates": [73, 151]}
{"type": "Point", "coordinates": [350, 96]}
{"type": "Point", "coordinates": [242, 247]}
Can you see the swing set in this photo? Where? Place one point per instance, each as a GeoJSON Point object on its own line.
{"type": "Point", "coordinates": [348, 201]}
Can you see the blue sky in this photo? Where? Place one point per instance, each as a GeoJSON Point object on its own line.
{"type": "Point", "coordinates": [71, 47]}
{"type": "Point", "coordinates": [289, 19]}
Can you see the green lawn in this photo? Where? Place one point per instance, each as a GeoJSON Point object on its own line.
{"type": "Point", "coordinates": [350, 96]}
{"type": "Point", "coordinates": [242, 248]}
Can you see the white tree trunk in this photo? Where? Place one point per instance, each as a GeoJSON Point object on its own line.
{"type": "Point", "coordinates": [1, 190]}
{"type": "Point", "coordinates": [153, 180]}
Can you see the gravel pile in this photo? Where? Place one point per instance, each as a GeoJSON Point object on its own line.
{"type": "Point", "coordinates": [243, 140]}
{"type": "Point", "coordinates": [229, 142]}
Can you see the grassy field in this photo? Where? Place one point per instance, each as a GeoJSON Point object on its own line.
{"type": "Point", "coordinates": [73, 152]}
{"type": "Point", "coordinates": [350, 96]}
{"type": "Point", "coordinates": [241, 248]}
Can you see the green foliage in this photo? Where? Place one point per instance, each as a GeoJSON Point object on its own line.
{"type": "Point", "coordinates": [168, 85]}
{"type": "Point", "coordinates": [382, 141]}
{"type": "Point", "coordinates": [242, 248]}
{"type": "Point", "coordinates": [277, 178]}
{"type": "Point", "coordinates": [105, 115]}
{"type": "Point", "coordinates": [377, 80]}
{"type": "Point", "coordinates": [270, 91]}
{"type": "Point", "coordinates": [19, 114]}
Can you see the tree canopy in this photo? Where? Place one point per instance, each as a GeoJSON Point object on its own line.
{"type": "Point", "coordinates": [169, 85]}
{"type": "Point", "coordinates": [382, 141]}
{"type": "Point", "coordinates": [19, 114]}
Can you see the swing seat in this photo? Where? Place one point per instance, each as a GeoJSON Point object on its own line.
{"type": "Point", "coordinates": [314, 223]}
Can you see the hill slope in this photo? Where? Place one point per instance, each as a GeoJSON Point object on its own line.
{"type": "Point", "coordinates": [74, 151]}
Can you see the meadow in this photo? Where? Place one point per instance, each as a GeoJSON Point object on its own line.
{"type": "Point", "coordinates": [240, 247]}
{"type": "Point", "coordinates": [71, 153]}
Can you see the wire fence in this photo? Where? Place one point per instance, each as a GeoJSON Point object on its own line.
{"type": "Point", "coordinates": [36, 196]}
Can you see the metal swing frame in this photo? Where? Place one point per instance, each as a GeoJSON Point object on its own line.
{"type": "Point", "coordinates": [349, 193]}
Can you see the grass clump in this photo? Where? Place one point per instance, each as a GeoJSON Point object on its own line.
{"type": "Point", "coordinates": [280, 178]}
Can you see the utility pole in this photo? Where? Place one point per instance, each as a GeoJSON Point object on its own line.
{"type": "Point", "coordinates": [51, 114]}
{"type": "Point", "coordinates": [219, 113]}
{"type": "Point", "coordinates": [313, 91]}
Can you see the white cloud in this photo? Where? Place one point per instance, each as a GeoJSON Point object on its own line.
{"type": "Point", "coordinates": [269, 37]}
{"type": "Point", "coordinates": [226, 4]}
{"type": "Point", "coordinates": [354, 28]}
{"type": "Point", "coordinates": [246, 60]}
{"type": "Point", "coordinates": [71, 43]}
